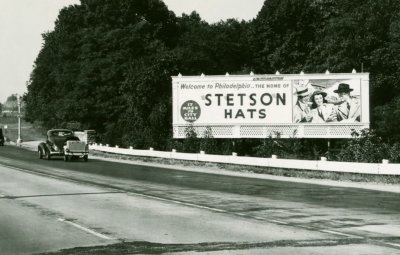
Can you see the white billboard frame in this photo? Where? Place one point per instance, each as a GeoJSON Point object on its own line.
{"type": "Point", "coordinates": [198, 107]}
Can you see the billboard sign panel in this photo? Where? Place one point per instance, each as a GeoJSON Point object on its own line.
{"type": "Point", "coordinates": [265, 102]}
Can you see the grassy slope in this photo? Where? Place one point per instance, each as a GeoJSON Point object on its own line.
{"type": "Point", "coordinates": [298, 173]}
{"type": "Point", "coordinates": [29, 131]}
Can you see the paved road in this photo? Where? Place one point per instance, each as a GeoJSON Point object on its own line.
{"type": "Point", "coordinates": [49, 205]}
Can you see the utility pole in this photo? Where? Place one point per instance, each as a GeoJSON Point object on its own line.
{"type": "Point", "coordinates": [19, 140]}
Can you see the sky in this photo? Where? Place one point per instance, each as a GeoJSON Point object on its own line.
{"type": "Point", "coordinates": [22, 23]}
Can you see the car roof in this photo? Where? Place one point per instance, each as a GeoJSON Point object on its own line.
{"type": "Point", "coordinates": [52, 131]}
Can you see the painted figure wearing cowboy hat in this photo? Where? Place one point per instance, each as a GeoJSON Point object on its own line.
{"type": "Point", "coordinates": [302, 110]}
{"type": "Point", "coordinates": [349, 110]}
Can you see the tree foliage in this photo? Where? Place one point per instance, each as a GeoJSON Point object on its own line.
{"type": "Point", "coordinates": [107, 64]}
{"type": "Point", "coordinates": [368, 147]}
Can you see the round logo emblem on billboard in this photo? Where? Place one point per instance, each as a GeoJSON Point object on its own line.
{"type": "Point", "coordinates": [190, 111]}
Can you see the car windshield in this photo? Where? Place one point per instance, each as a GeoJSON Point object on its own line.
{"type": "Point", "coordinates": [61, 133]}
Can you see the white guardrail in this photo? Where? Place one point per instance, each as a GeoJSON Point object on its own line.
{"type": "Point", "coordinates": [383, 168]}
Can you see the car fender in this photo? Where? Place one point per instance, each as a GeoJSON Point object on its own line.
{"type": "Point", "coordinates": [43, 147]}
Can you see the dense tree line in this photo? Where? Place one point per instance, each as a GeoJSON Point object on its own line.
{"type": "Point", "coordinates": [107, 64]}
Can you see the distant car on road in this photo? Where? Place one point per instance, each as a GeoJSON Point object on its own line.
{"type": "Point", "coordinates": [1, 137]}
{"type": "Point", "coordinates": [62, 142]}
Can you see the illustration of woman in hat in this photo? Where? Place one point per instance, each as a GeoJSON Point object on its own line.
{"type": "Point", "coordinates": [321, 110]}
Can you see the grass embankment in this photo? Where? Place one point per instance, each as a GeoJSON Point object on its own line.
{"type": "Point", "coordinates": [298, 173]}
{"type": "Point", "coordinates": [29, 131]}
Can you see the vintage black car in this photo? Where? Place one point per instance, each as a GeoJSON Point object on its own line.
{"type": "Point", "coordinates": [63, 142]}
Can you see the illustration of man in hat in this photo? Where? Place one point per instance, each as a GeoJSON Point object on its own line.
{"type": "Point", "coordinates": [349, 109]}
{"type": "Point", "coordinates": [301, 111]}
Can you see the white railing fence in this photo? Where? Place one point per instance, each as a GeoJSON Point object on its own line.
{"type": "Point", "coordinates": [384, 168]}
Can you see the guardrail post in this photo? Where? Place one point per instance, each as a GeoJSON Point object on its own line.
{"type": "Point", "coordinates": [130, 147]}
{"type": "Point", "coordinates": [385, 161]}
{"type": "Point", "coordinates": [274, 156]}
{"type": "Point", "coordinates": [323, 158]}
{"type": "Point", "coordinates": [234, 154]}
{"type": "Point", "coordinates": [202, 152]}
{"type": "Point", "coordinates": [151, 148]}
{"type": "Point", "coordinates": [173, 150]}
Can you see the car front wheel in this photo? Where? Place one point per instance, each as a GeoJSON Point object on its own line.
{"type": "Point", "coordinates": [48, 156]}
{"type": "Point", "coordinates": [40, 154]}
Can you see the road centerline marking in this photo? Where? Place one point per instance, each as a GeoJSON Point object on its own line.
{"type": "Point", "coordinates": [277, 221]}
{"type": "Point", "coordinates": [340, 233]}
{"type": "Point", "coordinates": [88, 230]}
{"type": "Point", "coordinates": [178, 202]}
{"type": "Point", "coordinates": [393, 244]}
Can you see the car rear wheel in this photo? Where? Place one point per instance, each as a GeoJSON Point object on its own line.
{"type": "Point", "coordinates": [85, 158]}
{"type": "Point", "coordinates": [66, 158]}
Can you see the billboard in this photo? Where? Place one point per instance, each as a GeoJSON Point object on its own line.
{"type": "Point", "coordinates": [293, 105]}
